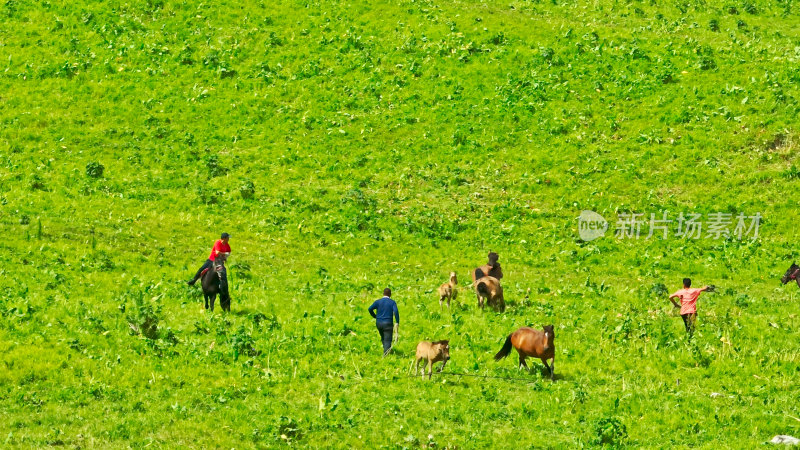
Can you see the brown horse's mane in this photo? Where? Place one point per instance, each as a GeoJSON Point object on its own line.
{"type": "Point", "coordinates": [444, 342]}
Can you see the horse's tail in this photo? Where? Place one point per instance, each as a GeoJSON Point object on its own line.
{"type": "Point", "coordinates": [505, 350]}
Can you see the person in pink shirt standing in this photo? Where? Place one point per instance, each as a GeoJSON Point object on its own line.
{"type": "Point", "coordinates": [688, 304]}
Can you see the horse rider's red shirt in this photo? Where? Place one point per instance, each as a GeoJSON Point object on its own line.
{"type": "Point", "coordinates": [219, 247]}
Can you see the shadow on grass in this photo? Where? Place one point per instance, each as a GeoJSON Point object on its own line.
{"type": "Point", "coordinates": [537, 371]}
{"type": "Point", "coordinates": [398, 353]}
{"type": "Point", "coordinates": [240, 311]}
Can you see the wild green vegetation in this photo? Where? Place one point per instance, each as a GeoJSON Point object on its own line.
{"type": "Point", "coordinates": [349, 146]}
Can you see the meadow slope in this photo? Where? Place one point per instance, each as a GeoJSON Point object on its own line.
{"type": "Point", "coordinates": [349, 146]}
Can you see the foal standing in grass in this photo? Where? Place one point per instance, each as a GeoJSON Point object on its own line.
{"type": "Point", "coordinates": [448, 290]}
{"type": "Point", "coordinates": [533, 343]}
{"type": "Point", "coordinates": [431, 352]}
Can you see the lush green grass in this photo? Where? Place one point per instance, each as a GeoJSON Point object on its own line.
{"type": "Point", "coordinates": [349, 146]}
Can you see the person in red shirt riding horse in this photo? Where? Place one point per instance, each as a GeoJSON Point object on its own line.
{"type": "Point", "coordinates": [221, 246]}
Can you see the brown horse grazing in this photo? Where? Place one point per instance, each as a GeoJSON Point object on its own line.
{"type": "Point", "coordinates": [448, 290]}
{"type": "Point", "coordinates": [792, 274]}
{"type": "Point", "coordinates": [489, 289]}
{"type": "Point", "coordinates": [491, 269]}
{"type": "Point", "coordinates": [533, 343]}
{"type": "Point", "coordinates": [431, 352]}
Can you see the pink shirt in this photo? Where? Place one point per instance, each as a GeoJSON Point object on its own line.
{"type": "Point", "coordinates": [688, 298]}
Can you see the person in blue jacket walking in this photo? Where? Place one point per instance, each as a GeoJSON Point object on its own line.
{"type": "Point", "coordinates": [386, 308]}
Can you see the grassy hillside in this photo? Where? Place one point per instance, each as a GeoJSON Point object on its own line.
{"type": "Point", "coordinates": [349, 146]}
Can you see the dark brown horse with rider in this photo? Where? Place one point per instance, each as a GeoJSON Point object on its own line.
{"type": "Point", "coordinates": [215, 282]}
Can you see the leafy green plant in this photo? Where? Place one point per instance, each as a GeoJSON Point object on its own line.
{"type": "Point", "coordinates": [659, 290]}
{"type": "Point", "coordinates": [242, 343]}
{"type": "Point", "coordinates": [37, 183]}
{"type": "Point", "coordinates": [742, 301]}
{"type": "Point", "coordinates": [215, 169]}
{"type": "Point", "coordinates": [289, 429]}
{"type": "Point", "coordinates": [94, 169]}
{"type": "Point", "coordinates": [610, 431]}
{"type": "Point", "coordinates": [144, 314]}
{"type": "Point", "coordinates": [247, 189]}
{"type": "Point", "coordinates": [792, 173]}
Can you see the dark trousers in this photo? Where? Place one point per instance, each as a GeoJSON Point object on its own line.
{"type": "Point", "coordinates": [688, 320]}
{"type": "Point", "coordinates": [206, 265]}
{"type": "Point", "coordinates": [385, 329]}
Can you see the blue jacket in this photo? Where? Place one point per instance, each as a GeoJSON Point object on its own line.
{"type": "Point", "coordinates": [386, 307]}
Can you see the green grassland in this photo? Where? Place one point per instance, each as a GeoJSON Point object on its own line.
{"type": "Point", "coordinates": [349, 146]}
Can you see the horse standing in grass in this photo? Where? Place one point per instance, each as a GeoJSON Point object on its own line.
{"type": "Point", "coordinates": [793, 274]}
{"type": "Point", "coordinates": [431, 352]}
{"type": "Point", "coordinates": [489, 290]}
{"type": "Point", "coordinates": [448, 290]}
{"type": "Point", "coordinates": [533, 343]}
{"type": "Point", "coordinates": [215, 281]}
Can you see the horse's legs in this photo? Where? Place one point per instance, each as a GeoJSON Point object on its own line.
{"type": "Point", "coordinates": [549, 368]}
{"type": "Point", "coordinates": [522, 362]}
{"type": "Point", "coordinates": [443, 364]}
{"type": "Point", "coordinates": [205, 297]}
{"type": "Point", "coordinates": [430, 368]}
{"type": "Point", "coordinates": [213, 298]}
